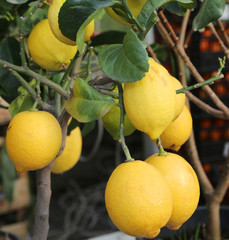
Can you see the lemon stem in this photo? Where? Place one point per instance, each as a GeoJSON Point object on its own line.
{"type": "Point", "coordinates": [210, 81]}
{"type": "Point", "coordinates": [89, 73]}
{"type": "Point", "coordinates": [162, 152]}
{"type": "Point", "coordinates": [21, 26]}
{"type": "Point", "coordinates": [130, 13]}
{"type": "Point", "coordinates": [121, 135]}
{"type": "Point", "coordinates": [66, 80]}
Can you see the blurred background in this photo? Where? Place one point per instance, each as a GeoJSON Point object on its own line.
{"type": "Point", "coordinates": [77, 209]}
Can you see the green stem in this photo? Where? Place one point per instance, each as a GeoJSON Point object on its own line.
{"type": "Point", "coordinates": [121, 135]}
{"type": "Point", "coordinates": [57, 104]}
{"type": "Point", "coordinates": [30, 73]}
{"type": "Point", "coordinates": [31, 10]}
{"type": "Point", "coordinates": [30, 90]}
{"type": "Point", "coordinates": [162, 152]}
{"type": "Point", "coordinates": [77, 65]}
{"type": "Point", "coordinates": [135, 20]}
{"type": "Point", "coordinates": [65, 81]}
{"type": "Point", "coordinates": [211, 80]}
{"type": "Point", "coordinates": [21, 26]}
{"type": "Point", "coordinates": [89, 73]}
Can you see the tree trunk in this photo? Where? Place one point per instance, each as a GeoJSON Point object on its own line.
{"type": "Point", "coordinates": [213, 225]}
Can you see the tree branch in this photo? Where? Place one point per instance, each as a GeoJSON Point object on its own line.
{"type": "Point", "coordinates": [174, 43]}
{"type": "Point", "coordinates": [41, 225]}
{"type": "Point", "coordinates": [30, 73]}
{"type": "Point", "coordinates": [221, 43]}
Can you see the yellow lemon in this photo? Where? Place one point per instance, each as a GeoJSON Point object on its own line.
{"type": "Point", "coordinates": [135, 6]}
{"type": "Point", "coordinates": [53, 14]}
{"type": "Point", "coordinates": [150, 102]}
{"type": "Point", "coordinates": [178, 131]}
{"type": "Point", "coordinates": [46, 50]}
{"type": "Point", "coordinates": [71, 154]}
{"type": "Point", "coordinates": [183, 184]}
{"type": "Point", "coordinates": [138, 199]}
{"type": "Point", "coordinates": [33, 140]}
{"type": "Point", "coordinates": [180, 98]}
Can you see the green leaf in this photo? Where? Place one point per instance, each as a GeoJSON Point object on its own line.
{"type": "Point", "coordinates": [17, 1]}
{"type": "Point", "coordinates": [175, 8]}
{"type": "Point", "coordinates": [23, 102]}
{"type": "Point", "coordinates": [87, 104]}
{"type": "Point", "coordinates": [108, 37]}
{"type": "Point", "coordinates": [8, 174]}
{"type": "Point", "coordinates": [74, 13]}
{"type": "Point", "coordinates": [127, 62]}
{"type": "Point", "coordinates": [210, 11]}
{"type": "Point", "coordinates": [148, 16]}
{"type": "Point", "coordinates": [9, 49]}
{"type": "Point", "coordinates": [88, 127]}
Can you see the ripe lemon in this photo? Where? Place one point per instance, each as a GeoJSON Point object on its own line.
{"type": "Point", "coordinates": [53, 14]}
{"type": "Point", "coordinates": [180, 98]}
{"type": "Point", "coordinates": [135, 6]}
{"type": "Point", "coordinates": [150, 102]}
{"type": "Point", "coordinates": [178, 131]}
{"type": "Point", "coordinates": [138, 199]}
{"type": "Point", "coordinates": [71, 154]}
{"type": "Point", "coordinates": [33, 140]}
{"type": "Point", "coordinates": [183, 184]}
{"type": "Point", "coordinates": [46, 50]}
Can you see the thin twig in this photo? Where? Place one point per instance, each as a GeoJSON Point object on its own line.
{"type": "Point", "coordinates": [177, 47]}
{"type": "Point", "coordinates": [30, 73]}
{"type": "Point", "coordinates": [152, 53]}
{"type": "Point", "coordinates": [221, 43]}
{"type": "Point", "coordinates": [223, 30]}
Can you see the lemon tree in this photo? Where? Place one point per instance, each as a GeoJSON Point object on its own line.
{"type": "Point", "coordinates": [57, 64]}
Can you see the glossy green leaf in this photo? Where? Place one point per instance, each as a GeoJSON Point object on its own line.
{"type": "Point", "coordinates": [210, 10]}
{"type": "Point", "coordinates": [108, 37]}
{"type": "Point", "coordinates": [127, 62]}
{"type": "Point", "coordinates": [175, 8]}
{"type": "Point", "coordinates": [9, 49]}
{"type": "Point", "coordinates": [87, 104]}
{"type": "Point", "coordinates": [148, 16]}
{"type": "Point", "coordinates": [8, 174]}
{"type": "Point", "coordinates": [23, 102]}
{"type": "Point", "coordinates": [74, 13]}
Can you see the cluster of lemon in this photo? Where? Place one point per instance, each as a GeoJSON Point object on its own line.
{"type": "Point", "coordinates": [48, 47]}
{"type": "Point", "coordinates": [33, 140]}
{"type": "Point", "coordinates": [144, 196]}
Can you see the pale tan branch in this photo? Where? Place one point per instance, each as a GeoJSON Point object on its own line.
{"type": "Point", "coordinates": [205, 184]}
{"type": "Point", "coordinates": [184, 27]}
{"type": "Point", "coordinates": [221, 43]}
{"type": "Point", "coordinates": [223, 182]}
{"type": "Point", "coordinates": [176, 46]}
{"type": "Point", "coordinates": [152, 53]}
{"type": "Point", "coordinates": [223, 30]}
{"type": "Point", "coordinates": [205, 107]}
